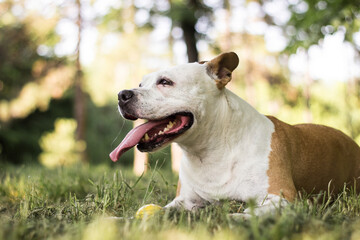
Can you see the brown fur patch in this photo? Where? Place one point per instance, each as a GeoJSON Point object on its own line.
{"type": "Point", "coordinates": [308, 156]}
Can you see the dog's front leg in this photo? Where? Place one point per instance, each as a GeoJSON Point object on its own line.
{"type": "Point", "coordinates": [269, 205]}
{"type": "Point", "coordinates": [187, 203]}
{"type": "Point", "coordinates": [186, 199]}
{"type": "Point", "coordinates": [181, 203]}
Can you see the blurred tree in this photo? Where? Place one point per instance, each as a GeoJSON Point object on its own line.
{"type": "Point", "coordinates": [227, 41]}
{"type": "Point", "coordinates": [19, 137]}
{"type": "Point", "coordinates": [182, 14]}
{"type": "Point", "coordinates": [19, 57]}
{"type": "Point", "coordinates": [26, 53]}
{"type": "Point", "coordinates": [79, 96]}
{"type": "Point", "coordinates": [60, 147]}
{"type": "Point", "coordinates": [309, 22]}
{"type": "Point", "coordinates": [186, 14]}
{"type": "Point", "coordinates": [31, 75]}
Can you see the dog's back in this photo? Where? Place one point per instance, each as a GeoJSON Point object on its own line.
{"type": "Point", "coordinates": [315, 155]}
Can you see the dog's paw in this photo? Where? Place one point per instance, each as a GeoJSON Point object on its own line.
{"type": "Point", "coordinates": [190, 205]}
{"type": "Point", "coordinates": [239, 216]}
{"type": "Point", "coordinates": [176, 204]}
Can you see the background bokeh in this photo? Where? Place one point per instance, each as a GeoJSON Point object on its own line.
{"type": "Point", "coordinates": [62, 63]}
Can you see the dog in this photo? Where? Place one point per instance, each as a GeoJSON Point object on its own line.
{"type": "Point", "coordinates": [231, 151]}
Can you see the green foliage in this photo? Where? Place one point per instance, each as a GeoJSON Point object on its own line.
{"type": "Point", "coordinates": [19, 139]}
{"type": "Point", "coordinates": [187, 11]}
{"type": "Point", "coordinates": [18, 51]}
{"type": "Point", "coordinates": [28, 82]}
{"type": "Point", "coordinates": [60, 147]}
{"type": "Point", "coordinates": [20, 56]}
{"type": "Point", "coordinates": [80, 203]}
{"type": "Point", "coordinates": [311, 20]}
{"type": "Point", "coordinates": [114, 23]}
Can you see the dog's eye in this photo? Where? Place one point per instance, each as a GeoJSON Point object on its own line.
{"type": "Point", "coordinates": [164, 82]}
{"type": "Point", "coordinates": [140, 85]}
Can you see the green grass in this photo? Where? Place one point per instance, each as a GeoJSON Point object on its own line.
{"type": "Point", "coordinates": [76, 203]}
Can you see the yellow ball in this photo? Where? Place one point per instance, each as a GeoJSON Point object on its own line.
{"type": "Point", "coordinates": [148, 210]}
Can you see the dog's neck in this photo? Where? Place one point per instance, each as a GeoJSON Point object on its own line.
{"type": "Point", "coordinates": [237, 118]}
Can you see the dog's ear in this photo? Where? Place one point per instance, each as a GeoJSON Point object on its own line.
{"type": "Point", "coordinates": [221, 67]}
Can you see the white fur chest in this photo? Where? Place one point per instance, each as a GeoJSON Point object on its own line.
{"type": "Point", "coordinates": [235, 169]}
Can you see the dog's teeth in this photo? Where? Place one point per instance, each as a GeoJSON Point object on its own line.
{"type": "Point", "coordinates": [146, 137]}
{"type": "Point", "coordinates": [170, 125]}
{"type": "Point", "coordinates": [166, 129]}
{"type": "Point", "coordinates": [161, 133]}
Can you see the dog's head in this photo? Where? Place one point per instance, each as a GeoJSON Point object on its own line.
{"type": "Point", "coordinates": [173, 101]}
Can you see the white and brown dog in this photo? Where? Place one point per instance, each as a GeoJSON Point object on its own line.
{"type": "Point", "coordinates": [231, 151]}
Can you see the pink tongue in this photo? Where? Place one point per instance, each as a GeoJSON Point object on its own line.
{"type": "Point", "coordinates": [133, 138]}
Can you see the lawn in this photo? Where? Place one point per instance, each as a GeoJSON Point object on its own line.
{"type": "Point", "coordinates": [79, 203]}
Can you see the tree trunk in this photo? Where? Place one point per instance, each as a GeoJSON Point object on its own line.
{"type": "Point", "coordinates": [226, 38]}
{"type": "Point", "coordinates": [188, 27]}
{"type": "Point", "coordinates": [190, 40]}
{"type": "Point", "coordinates": [80, 101]}
{"type": "Point", "coordinates": [249, 70]}
{"type": "Point", "coordinates": [140, 158]}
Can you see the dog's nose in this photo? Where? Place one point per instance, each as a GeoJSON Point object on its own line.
{"type": "Point", "coordinates": [125, 95]}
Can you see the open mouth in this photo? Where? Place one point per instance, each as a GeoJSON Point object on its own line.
{"type": "Point", "coordinates": [154, 134]}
